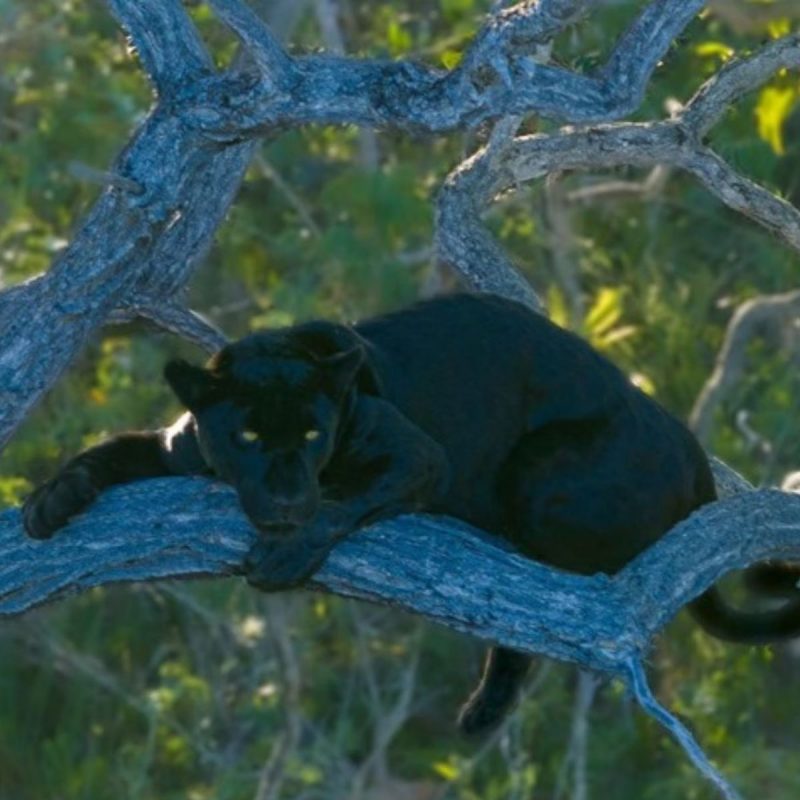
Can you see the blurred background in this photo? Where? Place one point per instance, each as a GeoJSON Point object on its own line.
{"type": "Point", "coordinates": [210, 690]}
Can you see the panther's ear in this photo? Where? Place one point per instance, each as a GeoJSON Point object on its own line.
{"type": "Point", "coordinates": [341, 369]}
{"type": "Point", "coordinates": [192, 385]}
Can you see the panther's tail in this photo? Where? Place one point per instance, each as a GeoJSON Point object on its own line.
{"type": "Point", "coordinates": [770, 579]}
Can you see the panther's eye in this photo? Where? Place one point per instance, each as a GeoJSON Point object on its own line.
{"type": "Point", "coordinates": [248, 436]}
{"type": "Point", "coordinates": [312, 435]}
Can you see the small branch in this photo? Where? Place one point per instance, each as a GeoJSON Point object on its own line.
{"type": "Point", "coordinates": [293, 198]}
{"type": "Point", "coordinates": [563, 248]}
{"type": "Point", "coordinates": [576, 756]}
{"type": "Point", "coordinates": [647, 189]}
{"type": "Point", "coordinates": [746, 323]}
{"type": "Point", "coordinates": [746, 17]}
{"type": "Point", "coordinates": [84, 172]}
{"type": "Point", "coordinates": [273, 773]}
{"type": "Point", "coordinates": [266, 51]}
{"type": "Point", "coordinates": [177, 319]}
{"type": "Point", "coordinates": [745, 196]}
{"type": "Point", "coordinates": [637, 681]}
{"type": "Point", "coordinates": [643, 46]}
{"type": "Point", "coordinates": [167, 43]}
{"type": "Point", "coordinates": [736, 79]}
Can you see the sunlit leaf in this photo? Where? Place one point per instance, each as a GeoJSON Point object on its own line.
{"type": "Point", "coordinates": [446, 770]}
{"type": "Point", "coordinates": [714, 49]}
{"type": "Point", "coordinates": [774, 106]}
{"type": "Point", "coordinates": [604, 313]}
{"type": "Point", "coordinates": [451, 58]}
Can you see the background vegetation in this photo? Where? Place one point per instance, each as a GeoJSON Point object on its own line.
{"type": "Point", "coordinates": [212, 691]}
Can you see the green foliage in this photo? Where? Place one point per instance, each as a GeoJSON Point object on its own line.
{"type": "Point", "coordinates": [167, 692]}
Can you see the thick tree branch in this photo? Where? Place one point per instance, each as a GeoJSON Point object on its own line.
{"type": "Point", "coordinates": [192, 527]}
{"type": "Point", "coordinates": [500, 75]}
{"type": "Point", "coordinates": [172, 185]}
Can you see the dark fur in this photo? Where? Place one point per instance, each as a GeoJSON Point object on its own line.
{"type": "Point", "coordinates": [468, 405]}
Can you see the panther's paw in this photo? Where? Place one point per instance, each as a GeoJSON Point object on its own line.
{"type": "Point", "coordinates": [275, 564]}
{"type": "Point", "coordinates": [51, 505]}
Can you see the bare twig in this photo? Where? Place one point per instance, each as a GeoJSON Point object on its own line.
{"type": "Point", "coordinates": [637, 681]}
{"type": "Point", "coordinates": [294, 199]}
{"type": "Point", "coordinates": [748, 321]}
{"type": "Point", "coordinates": [273, 773]}
{"type": "Point", "coordinates": [563, 247]}
{"type": "Point", "coordinates": [576, 756]}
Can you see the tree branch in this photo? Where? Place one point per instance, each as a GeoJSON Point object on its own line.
{"type": "Point", "coordinates": [170, 188]}
{"type": "Point", "coordinates": [465, 242]}
{"type": "Point", "coordinates": [192, 527]}
{"type": "Point", "coordinates": [167, 43]}
{"type": "Point", "coordinates": [500, 75]}
{"type": "Point", "coordinates": [175, 318]}
{"type": "Point", "coordinates": [747, 322]}
{"type": "Point", "coordinates": [172, 185]}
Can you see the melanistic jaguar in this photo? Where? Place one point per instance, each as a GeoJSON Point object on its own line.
{"type": "Point", "coordinates": [467, 405]}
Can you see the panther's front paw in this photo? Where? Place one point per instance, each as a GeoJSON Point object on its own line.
{"type": "Point", "coordinates": [275, 564]}
{"type": "Point", "coordinates": [51, 505]}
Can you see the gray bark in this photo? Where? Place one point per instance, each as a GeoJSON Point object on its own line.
{"type": "Point", "coordinates": [455, 575]}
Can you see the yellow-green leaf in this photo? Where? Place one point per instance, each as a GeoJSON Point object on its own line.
{"type": "Point", "coordinates": [779, 27]}
{"type": "Point", "coordinates": [446, 770]}
{"type": "Point", "coordinates": [614, 336]}
{"type": "Point", "coordinates": [398, 39]}
{"type": "Point", "coordinates": [604, 313]}
{"type": "Point", "coordinates": [774, 106]}
{"type": "Point", "coordinates": [714, 49]}
{"type": "Point", "coordinates": [450, 58]}
{"type": "Point", "coordinates": [557, 306]}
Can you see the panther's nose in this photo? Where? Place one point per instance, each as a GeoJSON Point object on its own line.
{"type": "Point", "coordinates": [293, 510]}
{"type": "Point", "coordinates": [287, 509]}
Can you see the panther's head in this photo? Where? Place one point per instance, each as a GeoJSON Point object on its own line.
{"type": "Point", "coordinates": [267, 421]}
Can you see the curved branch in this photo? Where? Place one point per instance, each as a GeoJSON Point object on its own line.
{"type": "Point", "coordinates": [748, 320]}
{"type": "Point", "coordinates": [266, 51]}
{"type": "Point", "coordinates": [637, 680]}
{"type": "Point", "coordinates": [736, 79]}
{"type": "Point", "coordinates": [465, 242]}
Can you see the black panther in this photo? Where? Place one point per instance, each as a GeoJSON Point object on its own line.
{"type": "Point", "coordinates": [466, 405]}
